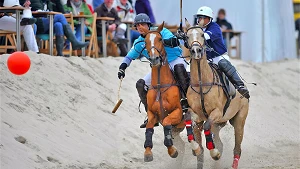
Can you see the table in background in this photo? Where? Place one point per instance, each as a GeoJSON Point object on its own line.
{"type": "Point", "coordinates": [82, 24]}
{"type": "Point", "coordinates": [103, 21]}
{"type": "Point", "coordinates": [229, 46]}
{"type": "Point", "coordinates": [51, 14]}
{"type": "Point", "coordinates": [129, 25]}
{"type": "Point", "coordinates": [17, 10]}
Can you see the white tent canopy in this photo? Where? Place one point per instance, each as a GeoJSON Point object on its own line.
{"type": "Point", "coordinates": [267, 25]}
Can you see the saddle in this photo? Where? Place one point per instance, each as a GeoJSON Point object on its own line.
{"type": "Point", "coordinates": [227, 86]}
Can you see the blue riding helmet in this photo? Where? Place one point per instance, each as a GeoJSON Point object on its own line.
{"type": "Point", "coordinates": [142, 18]}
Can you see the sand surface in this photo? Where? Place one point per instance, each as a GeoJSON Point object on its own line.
{"type": "Point", "coordinates": [62, 109]}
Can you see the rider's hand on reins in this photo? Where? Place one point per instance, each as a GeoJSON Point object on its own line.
{"type": "Point", "coordinates": [180, 34]}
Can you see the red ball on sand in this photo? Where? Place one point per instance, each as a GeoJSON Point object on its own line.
{"type": "Point", "coordinates": [18, 63]}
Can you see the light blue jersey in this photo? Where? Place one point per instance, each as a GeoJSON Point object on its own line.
{"type": "Point", "coordinates": [139, 45]}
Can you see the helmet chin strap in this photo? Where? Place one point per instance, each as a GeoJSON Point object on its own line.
{"type": "Point", "coordinates": [201, 23]}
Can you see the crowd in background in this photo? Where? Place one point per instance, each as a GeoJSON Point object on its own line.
{"type": "Point", "coordinates": [120, 10]}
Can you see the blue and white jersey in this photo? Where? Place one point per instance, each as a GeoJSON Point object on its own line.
{"type": "Point", "coordinates": [215, 40]}
{"type": "Point", "coordinates": [139, 45]}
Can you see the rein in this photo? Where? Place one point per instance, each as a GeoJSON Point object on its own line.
{"type": "Point", "coordinates": [201, 84]}
{"type": "Point", "coordinates": [158, 87]}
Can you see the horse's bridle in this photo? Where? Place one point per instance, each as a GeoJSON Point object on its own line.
{"type": "Point", "coordinates": [195, 43]}
{"type": "Point", "coordinates": [163, 61]}
{"type": "Point", "coordinates": [201, 84]}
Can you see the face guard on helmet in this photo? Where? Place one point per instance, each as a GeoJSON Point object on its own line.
{"type": "Point", "coordinates": [203, 12]}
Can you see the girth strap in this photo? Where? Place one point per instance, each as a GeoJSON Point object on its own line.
{"type": "Point", "coordinates": [162, 86]}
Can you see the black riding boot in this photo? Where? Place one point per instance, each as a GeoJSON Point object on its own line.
{"type": "Point", "coordinates": [140, 86]}
{"type": "Point", "coordinates": [59, 45]}
{"type": "Point", "coordinates": [234, 78]}
{"type": "Point", "coordinates": [184, 81]}
{"type": "Point", "coordinates": [71, 37]}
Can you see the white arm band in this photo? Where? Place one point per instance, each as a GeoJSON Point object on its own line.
{"type": "Point", "coordinates": [206, 36]}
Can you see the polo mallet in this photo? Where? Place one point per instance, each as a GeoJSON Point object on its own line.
{"type": "Point", "coordinates": [180, 26]}
{"type": "Point", "coordinates": [119, 101]}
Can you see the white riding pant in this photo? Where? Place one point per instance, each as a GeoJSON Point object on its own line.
{"type": "Point", "coordinates": [179, 60]}
{"type": "Point", "coordinates": [8, 23]}
{"type": "Point", "coordinates": [217, 59]}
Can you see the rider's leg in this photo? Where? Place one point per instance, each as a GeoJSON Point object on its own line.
{"type": "Point", "coordinates": [141, 86]}
{"type": "Point", "coordinates": [233, 76]}
{"type": "Point", "coordinates": [184, 81]}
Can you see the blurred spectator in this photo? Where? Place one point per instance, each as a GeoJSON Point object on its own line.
{"type": "Point", "coordinates": [77, 6]}
{"type": "Point", "coordinates": [116, 27]}
{"type": "Point", "coordinates": [97, 3]}
{"type": "Point", "coordinates": [8, 23]}
{"type": "Point", "coordinates": [144, 6]}
{"type": "Point", "coordinates": [126, 13]}
{"type": "Point", "coordinates": [224, 24]}
{"type": "Point", "coordinates": [61, 26]}
{"type": "Point", "coordinates": [297, 26]}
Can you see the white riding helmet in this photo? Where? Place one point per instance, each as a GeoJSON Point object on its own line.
{"type": "Point", "coordinates": [206, 11]}
{"type": "Point", "coordinates": [11, 3]}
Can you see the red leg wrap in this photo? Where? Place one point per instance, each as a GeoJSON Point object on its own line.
{"type": "Point", "coordinates": [209, 140]}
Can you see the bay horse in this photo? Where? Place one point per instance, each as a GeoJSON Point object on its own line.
{"type": "Point", "coordinates": [208, 101]}
{"type": "Point", "coordinates": [163, 98]}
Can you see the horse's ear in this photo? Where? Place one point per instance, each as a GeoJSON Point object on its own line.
{"type": "Point", "coordinates": [161, 26]}
{"type": "Point", "coordinates": [187, 24]}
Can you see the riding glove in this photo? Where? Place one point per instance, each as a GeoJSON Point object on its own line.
{"type": "Point", "coordinates": [121, 73]}
{"type": "Point", "coordinates": [171, 42]}
{"type": "Point", "coordinates": [181, 35]}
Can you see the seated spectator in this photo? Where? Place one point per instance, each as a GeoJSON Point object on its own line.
{"type": "Point", "coordinates": [75, 7]}
{"type": "Point", "coordinates": [61, 26]}
{"type": "Point", "coordinates": [224, 24]}
{"type": "Point", "coordinates": [144, 6]}
{"type": "Point", "coordinates": [97, 3]}
{"type": "Point", "coordinates": [126, 13]}
{"type": "Point", "coordinates": [8, 23]}
{"type": "Point", "coordinates": [118, 28]}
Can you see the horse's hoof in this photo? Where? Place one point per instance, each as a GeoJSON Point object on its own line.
{"type": "Point", "coordinates": [215, 154]}
{"type": "Point", "coordinates": [148, 157]}
{"type": "Point", "coordinates": [175, 154]}
{"type": "Point", "coordinates": [196, 152]}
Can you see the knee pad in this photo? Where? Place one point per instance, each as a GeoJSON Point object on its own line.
{"type": "Point", "coordinates": [140, 84]}
{"type": "Point", "coordinates": [226, 67]}
{"type": "Point", "coordinates": [179, 67]}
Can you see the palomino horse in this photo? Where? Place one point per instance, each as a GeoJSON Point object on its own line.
{"type": "Point", "coordinates": [163, 97]}
{"type": "Point", "coordinates": [207, 100]}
